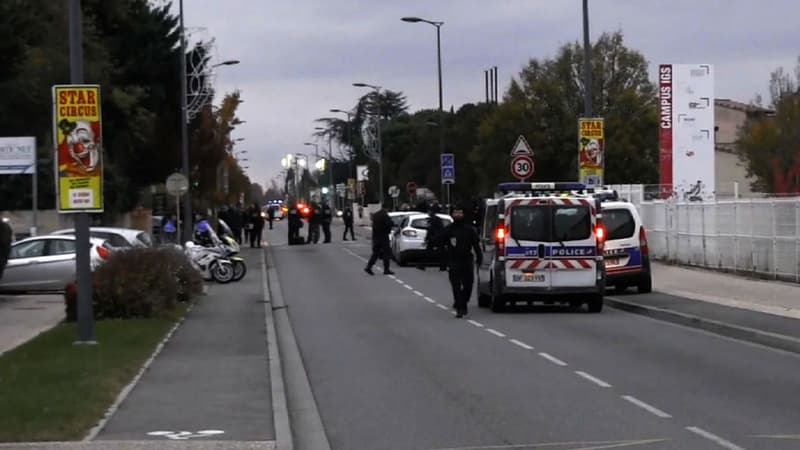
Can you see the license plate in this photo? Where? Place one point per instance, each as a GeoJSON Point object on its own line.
{"type": "Point", "coordinates": [529, 277]}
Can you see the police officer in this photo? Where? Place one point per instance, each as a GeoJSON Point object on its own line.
{"type": "Point", "coordinates": [461, 241]}
{"type": "Point", "coordinates": [314, 222]}
{"type": "Point", "coordinates": [327, 218]}
{"type": "Point", "coordinates": [435, 226]}
{"type": "Point", "coordinates": [295, 224]}
{"type": "Point", "coordinates": [6, 236]}
{"type": "Point", "coordinates": [381, 226]}
{"type": "Point", "coordinates": [347, 217]}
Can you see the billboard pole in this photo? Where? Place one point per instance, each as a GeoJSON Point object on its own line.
{"type": "Point", "coordinates": [86, 334]}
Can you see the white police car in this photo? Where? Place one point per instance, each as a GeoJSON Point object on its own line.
{"type": "Point", "coordinates": [626, 254]}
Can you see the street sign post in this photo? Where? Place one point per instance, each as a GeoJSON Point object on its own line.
{"type": "Point", "coordinates": [448, 166]}
{"type": "Point", "coordinates": [177, 185]}
{"type": "Point", "coordinates": [522, 167]}
{"type": "Point", "coordinates": [521, 147]}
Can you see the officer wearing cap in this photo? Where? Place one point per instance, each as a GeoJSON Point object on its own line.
{"type": "Point", "coordinates": [463, 251]}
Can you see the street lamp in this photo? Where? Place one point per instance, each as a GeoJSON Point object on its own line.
{"type": "Point", "coordinates": [438, 25]}
{"type": "Point", "coordinates": [377, 91]}
{"type": "Point", "coordinates": [349, 144]}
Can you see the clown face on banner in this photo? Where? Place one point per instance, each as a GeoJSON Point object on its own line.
{"type": "Point", "coordinates": [79, 148]}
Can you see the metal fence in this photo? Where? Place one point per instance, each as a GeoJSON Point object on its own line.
{"type": "Point", "coordinates": [760, 236]}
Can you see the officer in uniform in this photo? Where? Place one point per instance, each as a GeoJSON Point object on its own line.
{"type": "Point", "coordinates": [347, 217]}
{"type": "Point", "coordinates": [381, 226]}
{"type": "Point", "coordinates": [6, 236]}
{"type": "Point", "coordinates": [435, 226]}
{"type": "Point", "coordinates": [295, 224]}
{"type": "Point", "coordinates": [463, 252]}
{"type": "Point", "coordinates": [327, 218]}
{"type": "Point", "coordinates": [314, 222]}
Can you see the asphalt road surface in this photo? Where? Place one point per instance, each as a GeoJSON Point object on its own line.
{"type": "Point", "coordinates": [391, 368]}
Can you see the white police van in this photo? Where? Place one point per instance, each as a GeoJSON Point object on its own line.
{"type": "Point", "coordinates": [542, 242]}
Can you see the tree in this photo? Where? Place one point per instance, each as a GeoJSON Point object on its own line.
{"type": "Point", "coordinates": [544, 102]}
{"type": "Point", "coordinates": [770, 144]}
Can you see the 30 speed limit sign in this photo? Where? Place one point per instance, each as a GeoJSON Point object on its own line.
{"type": "Point", "coordinates": [522, 167]}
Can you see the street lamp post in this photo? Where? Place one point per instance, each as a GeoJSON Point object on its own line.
{"type": "Point", "coordinates": [330, 163]}
{"type": "Point", "coordinates": [377, 92]}
{"type": "Point", "coordinates": [438, 25]}
{"type": "Point", "coordinates": [349, 144]}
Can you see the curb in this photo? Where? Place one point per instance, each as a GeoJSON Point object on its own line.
{"type": "Point", "coordinates": [304, 414]}
{"type": "Point", "coordinates": [774, 340]}
{"type": "Point", "coordinates": [123, 394]}
{"type": "Point", "coordinates": [280, 409]}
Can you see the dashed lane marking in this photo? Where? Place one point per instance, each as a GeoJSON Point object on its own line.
{"type": "Point", "coordinates": [714, 438]}
{"type": "Point", "coordinates": [521, 344]}
{"type": "Point", "coordinates": [649, 408]}
{"type": "Point", "coordinates": [552, 359]}
{"type": "Point", "coordinates": [477, 324]}
{"type": "Point", "coordinates": [593, 379]}
{"type": "Point", "coordinates": [495, 332]}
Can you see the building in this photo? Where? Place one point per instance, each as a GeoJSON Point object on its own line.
{"type": "Point", "coordinates": [729, 116]}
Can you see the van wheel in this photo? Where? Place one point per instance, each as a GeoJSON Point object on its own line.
{"type": "Point", "coordinates": [595, 304]}
{"type": "Point", "coordinates": [498, 303]}
{"type": "Point", "coordinates": [645, 284]}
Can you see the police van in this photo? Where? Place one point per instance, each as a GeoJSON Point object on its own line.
{"type": "Point", "coordinates": [542, 242]}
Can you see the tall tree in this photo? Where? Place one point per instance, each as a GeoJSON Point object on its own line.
{"type": "Point", "coordinates": [544, 102]}
{"type": "Point", "coordinates": [770, 145]}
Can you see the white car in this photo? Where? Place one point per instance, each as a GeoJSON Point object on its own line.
{"type": "Point", "coordinates": [409, 238]}
{"type": "Point", "coordinates": [397, 219]}
{"type": "Point", "coordinates": [626, 255]}
{"type": "Point", "coordinates": [47, 263]}
{"type": "Point", "coordinates": [116, 237]}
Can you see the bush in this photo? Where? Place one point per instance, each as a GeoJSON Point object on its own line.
{"type": "Point", "coordinates": [139, 283]}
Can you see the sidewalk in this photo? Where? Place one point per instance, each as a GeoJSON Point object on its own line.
{"type": "Point", "coordinates": [211, 381]}
{"type": "Point", "coordinates": [23, 317]}
{"type": "Point", "coordinates": [769, 297]}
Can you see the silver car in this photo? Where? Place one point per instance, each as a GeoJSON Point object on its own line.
{"type": "Point", "coordinates": [116, 237]}
{"type": "Point", "coordinates": [46, 263]}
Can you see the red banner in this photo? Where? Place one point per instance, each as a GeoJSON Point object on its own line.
{"type": "Point", "coordinates": [665, 94]}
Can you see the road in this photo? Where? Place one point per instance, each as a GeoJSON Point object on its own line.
{"type": "Point", "coordinates": [391, 368]}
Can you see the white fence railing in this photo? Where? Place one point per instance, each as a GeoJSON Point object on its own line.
{"type": "Point", "coordinates": [755, 235]}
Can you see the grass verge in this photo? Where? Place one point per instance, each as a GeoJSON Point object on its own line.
{"type": "Point", "coordinates": [52, 389]}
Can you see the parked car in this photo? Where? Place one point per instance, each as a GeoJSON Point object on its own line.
{"type": "Point", "coordinates": [626, 256]}
{"type": "Point", "coordinates": [116, 237]}
{"type": "Point", "coordinates": [47, 263]}
{"type": "Point", "coordinates": [409, 239]}
{"type": "Point", "coordinates": [397, 220]}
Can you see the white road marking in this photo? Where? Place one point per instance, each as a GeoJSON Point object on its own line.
{"type": "Point", "coordinates": [419, 293]}
{"type": "Point", "coordinates": [714, 438]}
{"type": "Point", "coordinates": [399, 281]}
{"type": "Point", "coordinates": [430, 300]}
{"type": "Point", "coordinates": [584, 445]}
{"type": "Point", "coordinates": [394, 277]}
{"type": "Point", "coordinates": [552, 359]}
{"type": "Point", "coordinates": [521, 344]}
{"type": "Point", "coordinates": [185, 435]}
{"type": "Point", "coordinates": [649, 408]}
{"type": "Point", "coordinates": [408, 287]}
{"type": "Point", "coordinates": [495, 332]}
{"type": "Point", "coordinates": [441, 306]}
{"type": "Point", "coordinates": [593, 379]}
{"type": "Point", "coordinates": [477, 324]}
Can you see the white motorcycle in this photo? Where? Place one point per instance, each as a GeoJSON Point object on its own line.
{"type": "Point", "coordinates": [210, 263]}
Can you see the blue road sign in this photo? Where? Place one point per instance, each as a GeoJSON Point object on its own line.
{"type": "Point", "coordinates": [448, 160]}
{"type": "Point", "coordinates": [448, 175]}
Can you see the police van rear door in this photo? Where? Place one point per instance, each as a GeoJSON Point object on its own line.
{"type": "Point", "coordinates": [573, 247]}
{"type": "Point", "coordinates": [527, 241]}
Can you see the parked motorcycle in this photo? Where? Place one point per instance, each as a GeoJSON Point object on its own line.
{"type": "Point", "coordinates": [209, 263]}
{"type": "Point", "coordinates": [230, 249]}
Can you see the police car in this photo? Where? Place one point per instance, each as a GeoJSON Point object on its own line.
{"type": "Point", "coordinates": [542, 242]}
{"type": "Point", "coordinates": [626, 255]}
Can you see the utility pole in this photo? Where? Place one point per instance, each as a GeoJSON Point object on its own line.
{"type": "Point", "coordinates": [587, 63]}
{"type": "Point", "coordinates": [86, 332]}
{"type": "Point", "coordinates": [185, 169]}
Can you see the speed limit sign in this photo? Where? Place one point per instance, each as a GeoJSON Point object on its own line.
{"type": "Point", "coordinates": [522, 167]}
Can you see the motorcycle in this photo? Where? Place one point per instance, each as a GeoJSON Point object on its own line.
{"type": "Point", "coordinates": [230, 249]}
{"type": "Point", "coordinates": [210, 264]}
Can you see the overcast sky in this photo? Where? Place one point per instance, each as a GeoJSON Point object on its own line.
{"type": "Point", "coordinates": [299, 58]}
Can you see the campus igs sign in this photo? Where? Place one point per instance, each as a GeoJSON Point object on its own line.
{"type": "Point", "coordinates": [686, 131]}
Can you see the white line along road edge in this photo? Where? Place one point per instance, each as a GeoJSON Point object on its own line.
{"type": "Point", "coordinates": [714, 438]}
{"type": "Point", "coordinates": [649, 408]}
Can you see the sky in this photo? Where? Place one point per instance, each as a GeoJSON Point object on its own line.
{"type": "Point", "coordinates": [299, 58]}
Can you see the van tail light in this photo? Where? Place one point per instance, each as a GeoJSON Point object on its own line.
{"type": "Point", "coordinates": [643, 241]}
{"type": "Point", "coordinates": [600, 233]}
{"type": "Point", "coordinates": [500, 233]}
{"type": "Point", "coordinates": [103, 252]}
